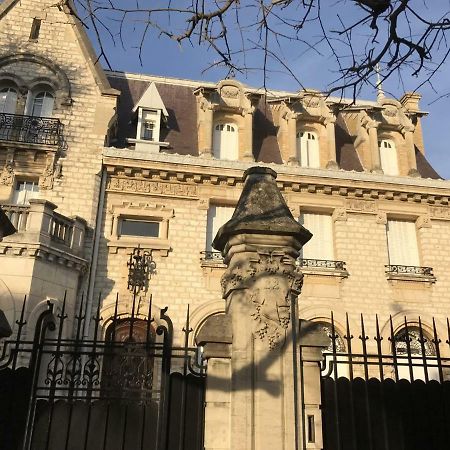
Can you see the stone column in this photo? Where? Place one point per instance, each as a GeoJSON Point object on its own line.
{"type": "Point", "coordinates": [374, 150]}
{"type": "Point", "coordinates": [260, 245]}
{"type": "Point", "coordinates": [205, 127]}
{"type": "Point", "coordinates": [331, 138]}
{"type": "Point", "coordinates": [411, 152]}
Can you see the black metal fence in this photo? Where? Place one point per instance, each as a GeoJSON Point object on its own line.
{"type": "Point", "coordinates": [387, 388]}
{"type": "Point", "coordinates": [129, 388]}
{"type": "Point", "coordinates": [30, 129]}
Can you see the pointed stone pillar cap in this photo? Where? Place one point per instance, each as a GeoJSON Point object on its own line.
{"type": "Point", "coordinates": [261, 209]}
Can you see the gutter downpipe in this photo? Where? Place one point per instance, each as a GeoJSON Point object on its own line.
{"type": "Point", "coordinates": [94, 258]}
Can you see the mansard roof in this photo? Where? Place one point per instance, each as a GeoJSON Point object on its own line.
{"type": "Point", "coordinates": [181, 127]}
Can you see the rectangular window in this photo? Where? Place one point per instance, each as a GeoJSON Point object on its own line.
{"type": "Point", "coordinates": [143, 228]}
{"type": "Point", "coordinates": [35, 29]}
{"type": "Point", "coordinates": [402, 243]}
{"type": "Point", "coordinates": [321, 244]}
{"type": "Point", "coordinates": [388, 157]}
{"type": "Point", "coordinates": [217, 216]}
{"type": "Point", "coordinates": [147, 130]}
{"type": "Point", "coordinates": [148, 125]}
{"type": "Point", "coordinates": [24, 191]}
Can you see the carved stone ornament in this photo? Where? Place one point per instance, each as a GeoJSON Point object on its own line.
{"type": "Point", "coordinates": [269, 279]}
{"type": "Point", "coordinates": [7, 175]}
{"type": "Point", "coordinates": [46, 179]}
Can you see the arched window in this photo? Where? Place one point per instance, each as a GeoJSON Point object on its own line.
{"type": "Point", "coordinates": [308, 149]}
{"type": "Point", "coordinates": [8, 100]}
{"type": "Point", "coordinates": [41, 104]}
{"type": "Point", "coordinates": [128, 361]}
{"type": "Point", "coordinates": [412, 345]}
{"type": "Point", "coordinates": [335, 363]}
{"type": "Point", "coordinates": [388, 156]}
{"type": "Point", "coordinates": [226, 141]}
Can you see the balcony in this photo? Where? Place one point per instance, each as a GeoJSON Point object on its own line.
{"type": "Point", "coordinates": [409, 273]}
{"type": "Point", "coordinates": [30, 129]}
{"type": "Point", "coordinates": [211, 258]}
{"type": "Point", "coordinates": [41, 230]}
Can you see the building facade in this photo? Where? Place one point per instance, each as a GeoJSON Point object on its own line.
{"type": "Point", "coordinates": [96, 163]}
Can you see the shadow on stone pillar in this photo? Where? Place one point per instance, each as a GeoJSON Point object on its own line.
{"type": "Point", "coordinates": [260, 245]}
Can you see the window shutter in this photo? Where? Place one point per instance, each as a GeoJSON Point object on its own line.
{"type": "Point", "coordinates": [313, 150]}
{"type": "Point", "coordinates": [217, 216]}
{"type": "Point", "coordinates": [388, 157]}
{"type": "Point", "coordinates": [226, 142]}
{"type": "Point", "coordinates": [321, 245]}
{"type": "Point", "coordinates": [402, 243]}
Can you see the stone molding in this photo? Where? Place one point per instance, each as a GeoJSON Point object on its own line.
{"type": "Point", "coordinates": [45, 253]}
{"type": "Point", "coordinates": [194, 171]}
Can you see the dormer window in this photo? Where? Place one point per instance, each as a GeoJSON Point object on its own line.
{"type": "Point", "coordinates": [226, 141]}
{"type": "Point", "coordinates": [151, 116]}
{"type": "Point", "coordinates": [148, 126]}
{"type": "Point", "coordinates": [388, 156]}
{"type": "Point", "coordinates": [308, 149]}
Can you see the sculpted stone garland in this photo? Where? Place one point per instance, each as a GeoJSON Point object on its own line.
{"type": "Point", "coordinates": [269, 280]}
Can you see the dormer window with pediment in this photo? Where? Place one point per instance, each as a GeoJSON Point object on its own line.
{"type": "Point", "coordinates": [225, 120]}
{"type": "Point", "coordinates": [151, 116]}
{"type": "Point", "coordinates": [306, 133]}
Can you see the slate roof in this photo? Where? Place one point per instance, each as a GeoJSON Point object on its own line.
{"type": "Point", "coordinates": [181, 129]}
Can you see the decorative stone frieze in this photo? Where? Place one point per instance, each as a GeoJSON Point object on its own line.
{"type": "Point", "coordinates": [440, 212]}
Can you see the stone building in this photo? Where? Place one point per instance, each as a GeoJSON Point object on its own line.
{"type": "Point", "coordinates": [95, 164]}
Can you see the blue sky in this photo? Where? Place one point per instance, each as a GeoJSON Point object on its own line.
{"type": "Point", "coordinates": [315, 68]}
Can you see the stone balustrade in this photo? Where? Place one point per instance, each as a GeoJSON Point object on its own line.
{"type": "Point", "coordinates": [38, 222]}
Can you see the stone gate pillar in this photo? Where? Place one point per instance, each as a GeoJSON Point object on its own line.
{"type": "Point", "coordinates": [260, 245]}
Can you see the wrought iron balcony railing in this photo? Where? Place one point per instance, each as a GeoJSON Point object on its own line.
{"type": "Point", "coordinates": [395, 269]}
{"type": "Point", "coordinates": [30, 129]}
{"type": "Point", "coordinates": [211, 256]}
{"type": "Point", "coordinates": [321, 264]}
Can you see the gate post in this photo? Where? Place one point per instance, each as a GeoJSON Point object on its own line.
{"type": "Point", "coordinates": [312, 344]}
{"type": "Point", "coordinates": [260, 245]}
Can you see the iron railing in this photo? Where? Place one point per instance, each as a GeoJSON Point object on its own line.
{"type": "Point", "coordinates": [395, 269]}
{"type": "Point", "coordinates": [124, 387]}
{"type": "Point", "coordinates": [30, 129]}
{"type": "Point", "coordinates": [321, 264]}
{"type": "Point", "coordinates": [211, 256]}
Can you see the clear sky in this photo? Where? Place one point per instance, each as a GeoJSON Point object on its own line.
{"type": "Point", "coordinates": [314, 67]}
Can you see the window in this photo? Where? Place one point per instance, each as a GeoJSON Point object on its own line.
{"type": "Point", "coordinates": [225, 141]}
{"type": "Point", "coordinates": [402, 243]}
{"type": "Point", "coordinates": [335, 364]}
{"type": "Point", "coordinates": [8, 100]}
{"type": "Point", "coordinates": [143, 228]}
{"type": "Point", "coordinates": [24, 191]}
{"type": "Point", "coordinates": [41, 104]}
{"type": "Point", "coordinates": [148, 127]}
{"type": "Point", "coordinates": [35, 29]}
{"type": "Point", "coordinates": [308, 149]}
{"type": "Point", "coordinates": [388, 157]}
{"type": "Point", "coordinates": [321, 244]}
{"type": "Point", "coordinates": [217, 216]}
{"type": "Point", "coordinates": [411, 346]}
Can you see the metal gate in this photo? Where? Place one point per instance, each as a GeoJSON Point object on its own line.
{"type": "Point", "coordinates": [131, 389]}
{"type": "Point", "coordinates": [392, 393]}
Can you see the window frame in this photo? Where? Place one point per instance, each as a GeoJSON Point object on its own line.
{"type": "Point", "coordinates": [388, 162]}
{"type": "Point", "coordinates": [217, 147]}
{"type": "Point", "coordinates": [34, 182]}
{"type": "Point", "coordinates": [33, 96]}
{"type": "Point", "coordinates": [8, 90]}
{"type": "Point", "coordinates": [312, 153]}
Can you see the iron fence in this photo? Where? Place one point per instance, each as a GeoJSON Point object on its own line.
{"type": "Point", "coordinates": [409, 270]}
{"type": "Point", "coordinates": [386, 384]}
{"type": "Point", "coordinates": [127, 387]}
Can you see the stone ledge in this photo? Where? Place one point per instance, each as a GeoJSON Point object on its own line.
{"type": "Point", "coordinates": [44, 252]}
